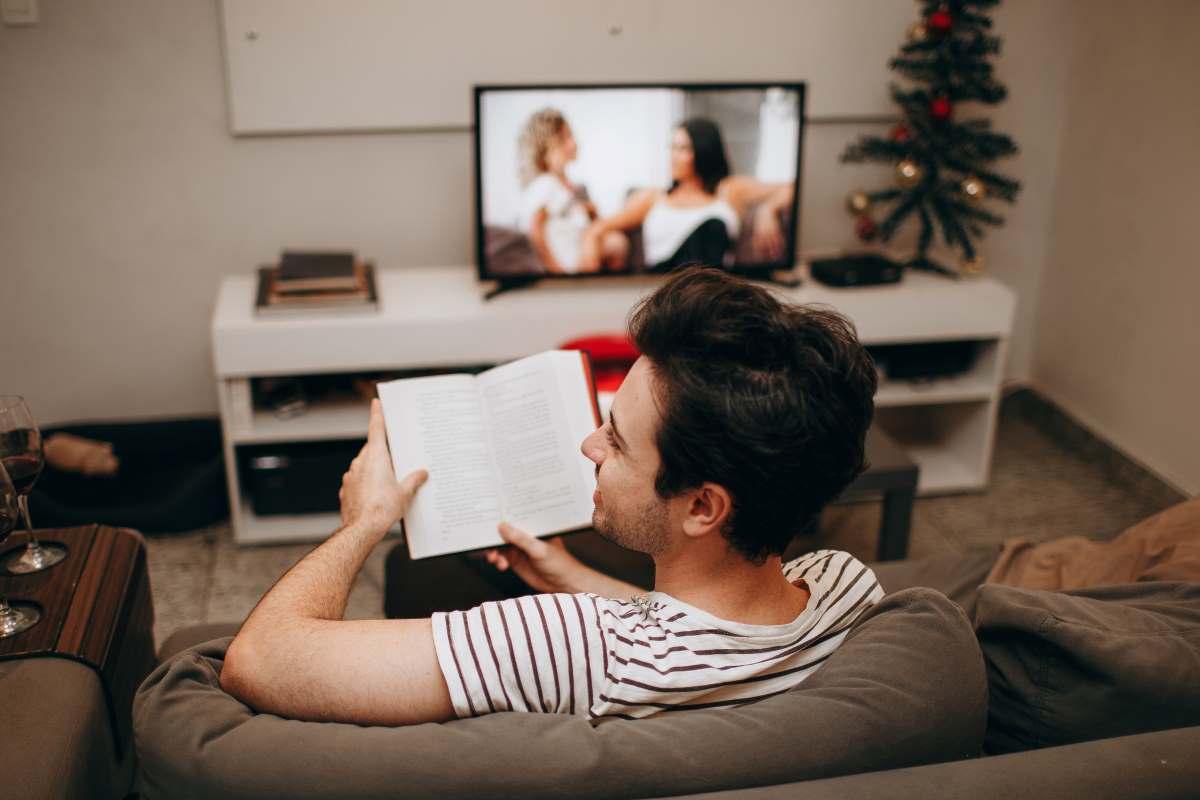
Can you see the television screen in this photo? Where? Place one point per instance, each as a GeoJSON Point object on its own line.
{"type": "Point", "coordinates": [621, 179]}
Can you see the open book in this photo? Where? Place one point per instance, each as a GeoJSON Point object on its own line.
{"type": "Point", "coordinates": [501, 445]}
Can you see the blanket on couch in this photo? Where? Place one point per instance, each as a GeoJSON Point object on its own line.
{"type": "Point", "coordinates": [1164, 547]}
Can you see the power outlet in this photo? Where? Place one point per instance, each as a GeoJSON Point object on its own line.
{"type": "Point", "coordinates": [19, 12]}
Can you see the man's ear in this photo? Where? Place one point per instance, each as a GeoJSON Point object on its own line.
{"type": "Point", "coordinates": [709, 507]}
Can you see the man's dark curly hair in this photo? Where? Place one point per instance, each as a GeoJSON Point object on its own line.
{"type": "Point", "coordinates": [768, 399]}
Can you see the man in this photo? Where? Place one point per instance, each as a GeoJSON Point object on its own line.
{"type": "Point", "coordinates": [741, 420]}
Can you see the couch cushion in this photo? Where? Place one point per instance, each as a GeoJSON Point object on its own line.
{"type": "Point", "coordinates": [906, 687]}
{"type": "Point", "coordinates": [1068, 667]}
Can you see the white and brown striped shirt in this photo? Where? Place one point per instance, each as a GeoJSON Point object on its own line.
{"type": "Point", "coordinates": [601, 658]}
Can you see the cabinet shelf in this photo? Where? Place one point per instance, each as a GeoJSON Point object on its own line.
{"type": "Point", "coordinates": [283, 528]}
{"type": "Point", "coordinates": [342, 419]}
{"type": "Point", "coordinates": [435, 319]}
{"type": "Point", "coordinates": [958, 389]}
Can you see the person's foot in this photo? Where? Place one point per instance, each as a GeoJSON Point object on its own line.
{"type": "Point", "coordinates": [70, 453]}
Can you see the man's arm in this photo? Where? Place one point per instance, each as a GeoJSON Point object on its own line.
{"type": "Point", "coordinates": [296, 657]}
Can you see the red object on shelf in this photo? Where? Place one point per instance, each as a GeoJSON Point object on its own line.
{"type": "Point", "coordinates": [611, 355]}
{"type": "Point", "coordinates": [941, 108]}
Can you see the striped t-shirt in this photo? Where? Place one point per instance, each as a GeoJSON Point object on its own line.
{"type": "Point", "coordinates": [602, 658]}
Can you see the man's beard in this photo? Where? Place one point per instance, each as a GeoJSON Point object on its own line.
{"type": "Point", "coordinates": [643, 529]}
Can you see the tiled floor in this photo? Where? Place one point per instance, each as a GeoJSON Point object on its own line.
{"type": "Point", "coordinates": [1044, 485]}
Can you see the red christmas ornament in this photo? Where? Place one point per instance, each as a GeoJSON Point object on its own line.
{"type": "Point", "coordinates": [940, 108]}
{"type": "Point", "coordinates": [901, 133]}
{"type": "Point", "coordinates": [940, 21]}
{"type": "Point", "coordinates": [865, 228]}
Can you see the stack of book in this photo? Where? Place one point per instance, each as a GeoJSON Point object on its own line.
{"type": "Point", "coordinates": [312, 282]}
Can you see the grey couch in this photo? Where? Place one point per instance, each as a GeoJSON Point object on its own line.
{"type": "Point", "coordinates": [1071, 694]}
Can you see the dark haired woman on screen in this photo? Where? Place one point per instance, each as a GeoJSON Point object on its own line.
{"type": "Point", "coordinates": [698, 218]}
{"type": "Point", "coordinates": [555, 213]}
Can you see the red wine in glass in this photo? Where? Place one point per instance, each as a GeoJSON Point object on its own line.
{"type": "Point", "coordinates": [21, 452]}
{"type": "Point", "coordinates": [23, 470]}
{"type": "Point", "coordinates": [14, 618]}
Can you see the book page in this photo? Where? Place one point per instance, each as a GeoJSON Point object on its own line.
{"type": "Point", "coordinates": [539, 410]}
{"type": "Point", "coordinates": [438, 424]}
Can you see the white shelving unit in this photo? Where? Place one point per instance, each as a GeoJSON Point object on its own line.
{"type": "Point", "coordinates": [435, 317]}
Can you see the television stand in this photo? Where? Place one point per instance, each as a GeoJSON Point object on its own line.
{"type": "Point", "coordinates": [510, 284]}
{"type": "Point", "coordinates": [929, 265]}
{"type": "Point", "coordinates": [434, 317]}
{"type": "Point", "coordinates": [788, 279]}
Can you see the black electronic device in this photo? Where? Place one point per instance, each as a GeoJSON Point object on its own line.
{"type": "Point", "coordinates": [866, 269]}
{"type": "Point", "coordinates": [924, 361]}
{"type": "Point", "coordinates": [300, 478]}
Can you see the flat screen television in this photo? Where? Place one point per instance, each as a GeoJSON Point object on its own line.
{"type": "Point", "coordinates": [619, 179]}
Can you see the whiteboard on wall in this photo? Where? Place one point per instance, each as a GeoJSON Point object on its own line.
{"type": "Point", "coordinates": [310, 66]}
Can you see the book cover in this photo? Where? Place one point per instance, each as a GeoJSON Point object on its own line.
{"type": "Point", "coordinates": [303, 265]}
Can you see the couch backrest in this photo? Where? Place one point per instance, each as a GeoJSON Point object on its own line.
{"type": "Point", "coordinates": [907, 687]}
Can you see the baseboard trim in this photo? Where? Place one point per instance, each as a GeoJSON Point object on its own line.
{"type": "Point", "coordinates": [1032, 403]}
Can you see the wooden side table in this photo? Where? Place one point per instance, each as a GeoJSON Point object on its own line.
{"type": "Point", "coordinates": [96, 609]}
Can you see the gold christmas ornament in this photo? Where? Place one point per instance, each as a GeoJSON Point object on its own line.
{"type": "Point", "coordinates": [973, 190]}
{"type": "Point", "coordinates": [908, 173]}
{"type": "Point", "coordinates": [917, 32]}
{"type": "Point", "coordinates": [974, 266]}
{"type": "Point", "coordinates": [858, 202]}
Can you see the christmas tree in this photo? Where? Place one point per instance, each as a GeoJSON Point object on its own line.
{"type": "Point", "coordinates": [940, 159]}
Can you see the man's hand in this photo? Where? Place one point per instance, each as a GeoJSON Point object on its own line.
{"type": "Point", "coordinates": [370, 496]}
{"type": "Point", "coordinates": [545, 564]}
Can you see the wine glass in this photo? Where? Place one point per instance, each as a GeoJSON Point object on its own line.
{"type": "Point", "coordinates": [13, 619]}
{"type": "Point", "coordinates": [21, 452]}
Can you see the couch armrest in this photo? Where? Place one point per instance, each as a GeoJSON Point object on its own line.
{"type": "Point", "coordinates": [57, 740]}
{"type": "Point", "coordinates": [1148, 766]}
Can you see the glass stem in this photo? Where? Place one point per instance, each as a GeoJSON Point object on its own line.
{"type": "Point", "coordinates": [23, 502]}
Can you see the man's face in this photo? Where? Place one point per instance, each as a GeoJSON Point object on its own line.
{"type": "Point", "coordinates": [628, 511]}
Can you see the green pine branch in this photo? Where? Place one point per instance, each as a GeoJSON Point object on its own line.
{"type": "Point", "coordinates": [956, 66]}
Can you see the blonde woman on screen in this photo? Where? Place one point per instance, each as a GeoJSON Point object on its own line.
{"type": "Point", "coordinates": [556, 213]}
{"type": "Point", "coordinates": [698, 218]}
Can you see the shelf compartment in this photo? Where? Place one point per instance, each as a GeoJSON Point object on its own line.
{"type": "Point", "coordinates": [967, 388]}
{"type": "Point", "coordinates": [979, 382]}
{"type": "Point", "coordinates": [333, 405]}
{"type": "Point", "coordinates": [283, 528]}
{"type": "Point", "coordinates": [340, 419]}
{"type": "Point", "coordinates": [948, 441]}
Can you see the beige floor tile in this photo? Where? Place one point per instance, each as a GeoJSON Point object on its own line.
{"type": "Point", "coordinates": [242, 575]}
{"type": "Point", "coordinates": [180, 567]}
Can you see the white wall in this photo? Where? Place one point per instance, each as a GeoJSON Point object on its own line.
{"type": "Point", "coordinates": [1118, 324]}
{"type": "Point", "coordinates": [123, 199]}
